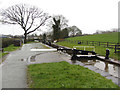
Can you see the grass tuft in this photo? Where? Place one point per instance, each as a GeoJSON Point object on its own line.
{"type": "Point", "coordinates": [65, 75]}
{"type": "Point", "coordinates": [8, 49]}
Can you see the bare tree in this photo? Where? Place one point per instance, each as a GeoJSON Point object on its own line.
{"type": "Point", "coordinates": [30, 18]}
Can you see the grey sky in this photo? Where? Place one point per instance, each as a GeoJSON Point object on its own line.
{"type": "Point", "coordinates": [88, 15]}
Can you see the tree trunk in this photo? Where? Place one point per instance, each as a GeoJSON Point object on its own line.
{"type": "Point", "coordinates": [25, 37]}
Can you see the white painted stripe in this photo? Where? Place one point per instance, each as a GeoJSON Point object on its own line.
{"type": "Point", "coordinates": [44, 50]}
{"type": "Point", "coordinates": [86, 55]}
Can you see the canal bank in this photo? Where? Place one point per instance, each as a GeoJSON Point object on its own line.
{"type": "Point", "coordinates": [106, 69]}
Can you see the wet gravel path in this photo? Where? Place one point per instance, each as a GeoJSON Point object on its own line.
{"type": "Point", "coordinates": [14, 67]}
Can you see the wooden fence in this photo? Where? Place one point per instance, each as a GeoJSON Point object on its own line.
{"type": "Point", "coordinates": [115, 46]}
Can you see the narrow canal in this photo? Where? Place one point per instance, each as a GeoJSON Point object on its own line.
{"type": "Point", "coordinates": [105, 66]}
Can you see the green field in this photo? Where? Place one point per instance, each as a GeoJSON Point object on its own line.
{"type": "Point", "coordinates": [101, 50]}
{"type": "Point", "coordinates": [107, 37]}
{"type": "Point", "coordinates": [65, 75]}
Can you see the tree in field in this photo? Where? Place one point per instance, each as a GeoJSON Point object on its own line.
{"type": "Point", "coordinates": [74, 31]}
{"type": "Point", "coordinates": [59, 22]}
{"type": "Point", "coordinates": [30, 18]}
{"type": "Point", "coordinates": [64, 33]}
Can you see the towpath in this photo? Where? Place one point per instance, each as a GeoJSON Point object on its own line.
{"type": "Point", "coordinates": [14, 67]}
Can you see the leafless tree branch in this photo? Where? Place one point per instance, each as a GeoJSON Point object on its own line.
{"type": "Point", "coordinates": [30, 18]}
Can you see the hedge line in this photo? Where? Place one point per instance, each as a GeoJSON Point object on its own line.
{"type": "Point", "coordinates": [7, 41]}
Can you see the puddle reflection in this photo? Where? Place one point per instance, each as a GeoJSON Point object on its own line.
{"type": "Point", "coordinates": [105, 66]}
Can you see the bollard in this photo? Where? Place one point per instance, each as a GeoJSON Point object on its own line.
{"type": "Point", "coordinates": [74, 57]}
{"type": "Point", "coordinates": [107, 54]}
{"type": "Point", "coordinates": [2, 49]}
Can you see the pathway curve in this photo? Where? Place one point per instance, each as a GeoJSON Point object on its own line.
{"type": "Point", "coordinates": [14, 67]}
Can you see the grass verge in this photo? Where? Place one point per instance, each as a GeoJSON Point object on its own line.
{"type": "Point", "coordinates": [8, 49]}
{"type": "Point", "coordinates": [31, 42]}
{"type": "Point", "coordinates": [98, 49]}
{"type": "Point", "coordinates": [2, 54]}
{"type": "Point", "coordinates": [11, 48]}
{"type": "Point", "coordinates": [65, 75]}
{"type": "Point", "coordinates": [44, 46]}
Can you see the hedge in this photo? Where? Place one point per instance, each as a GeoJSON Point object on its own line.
{"type": "Point", "coordinates": [7, 41]}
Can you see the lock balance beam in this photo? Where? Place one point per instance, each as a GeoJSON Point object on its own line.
{"type": "Point", "coordinates": [44, 50]}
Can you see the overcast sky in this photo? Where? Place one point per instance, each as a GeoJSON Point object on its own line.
{"type": "Point", "coordinates": [87, 15]}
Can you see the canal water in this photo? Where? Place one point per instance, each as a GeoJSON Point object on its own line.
{"type": "Point", "coordinates": [105, 66]}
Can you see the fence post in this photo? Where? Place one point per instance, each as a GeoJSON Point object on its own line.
{"type": "Point", "coordinates": [93, 43]}
{"type": "Point", "coordinates": [87, 42]}
{"type": "Point", "coordinates": [99, 43]}
{"type": "Point", "coordinates": [115, 48]}
{"type": "Point", "coordinates": [107, 44]}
